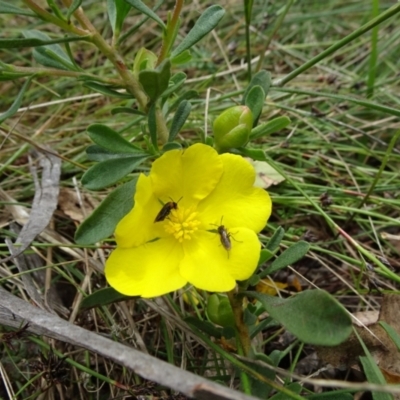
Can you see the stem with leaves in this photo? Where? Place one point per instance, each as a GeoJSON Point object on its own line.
{"type": "Point", "coordinates": [243, 332]}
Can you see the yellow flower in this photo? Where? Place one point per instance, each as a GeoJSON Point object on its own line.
{"type": "Point", "coordinates": [206, 190]}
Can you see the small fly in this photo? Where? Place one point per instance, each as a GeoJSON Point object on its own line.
{"type": "Point", "coordinates": [224, 237]}
{"type": "Point", "coordinates": [166, 210]}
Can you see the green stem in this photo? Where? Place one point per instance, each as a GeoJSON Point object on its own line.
{"type": "Point", "coordinates": [162, 130]}
{"type": "Point", "coordinates": [58, 72]}
{"type": "Point", "coordinates": [132, 85]}
{"type": "Point", "coordinates": [242, 330]}
{"type": "Point", "coordinates": [358, 32]}
{"type": "Point", "coordinates": [42, 13]}
{"type": "Point", "coordinates": [170, 34]}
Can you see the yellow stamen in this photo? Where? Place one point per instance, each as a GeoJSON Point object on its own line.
{"type": "Point", "coordinates": [182, 223]}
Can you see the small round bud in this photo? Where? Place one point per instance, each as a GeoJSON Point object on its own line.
{"type": "Point", "coordinates": [219, 310]}
{"type": "Point", "coordinates": [232, 128]}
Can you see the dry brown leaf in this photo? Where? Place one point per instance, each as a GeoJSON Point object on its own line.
{"type": "Point", "coordinates": [77, 209]}
{"type": "Point", "coordinates": [266, 176]}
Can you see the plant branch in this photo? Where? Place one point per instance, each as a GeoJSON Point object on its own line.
{"type": "Point", "coordinates": [242, 330]}
{"type": "Point", "coordinates": [42, 13]}
{"type": "Point", "coordinates": [170, 32]}
{"type": "Point", "coordinates": [131, 84]}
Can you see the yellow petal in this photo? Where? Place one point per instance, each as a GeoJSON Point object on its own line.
{"type": "Point", "coordinates": [149, 270]}
{"type": "Point", "coordinates": [209, 266]}
{"type": "Point", "coordinates": [235, 201]}
{"type": "Point", "coordinates": [189, 174]}
{"type": "Point", "coordinates": [138, 227]}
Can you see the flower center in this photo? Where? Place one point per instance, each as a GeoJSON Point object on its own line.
{"type": "Point", "coordinates": [182, 223]}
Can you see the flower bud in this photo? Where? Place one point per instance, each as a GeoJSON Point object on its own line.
{"type": "Point", "coordinates": [232, 128]}
{"type": "Point", "coordinates": [219, 310]}
{"type": "Point", "coordinates": [144, 59]}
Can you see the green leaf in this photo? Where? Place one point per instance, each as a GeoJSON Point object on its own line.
{"type": "Point", "coordinates": [392, 333]}
{"type": "Point", "coordinates": [255, 101]}
{"type": "Point", "coordinates": [106, 137]}
{"type": "Point", "coordinates": [107, 90]}
{"type": "Point", "coordinates": [98, 153]}
{"type": "Point", "coordinates": [374, 375]}
{"type": "Point", "coordinates": [73, 7]}
{"type": "Point", "coordinates": [51, 55]}
{"type": "Point", "coordinates": [372, 371]}
{"type": "Point", "coordinates": [117, 11]}
{"type": "Point", "coordinates": [293, 387]}
{"type": "Point", "coordinates": [182, 58]}
{"type": "Point", "coordinates": [102, 222]}
{"type": "Point", "coordinates": [126, 110]}
{"type": "Point", "coordinates": [172, 146]}
{"type": "Point", "coordinates": [34, 42]}
{"type": "Point", "coordinates": [265, 255]}
{"type": "Point", "coordinates": [103, 297]}
{"type": "Point", "coordinates": [204, 326]}
{"type": "Point", "coordinates": [140, 6]}
{"type": "Point", "coordinates": [152, 123]}
{"type": "Point", "coordinates": [314, 316]}
{"type": "Point", "coordinates": [276, 239]}
{"type": "Point", "coordinates": [175, 83]}
{"type": "Point", "coordinates": [190, 94]}
{"type": "Point", "coordinates": [17, 102]}
{"type": "Point", "coordinates": [275, 125]}
{"type": "Point", "coordinates": [108, 172]}
{"type": "Point", "coordinates": [179, 119]}
{"type": "Point", "coordinates": [289, 256]}
{"type": "Point", "coordinates": [261, 78]}
{"type": "Point", "coordinates": [7, 8]}
{"type": "Point", "coordinates": [205, 24]}
{"type": "Point", "coordinates": [155, 82]}
{"type": "Point", "coordinates": [336, 395]}
{"type": "Point", "coordinates": [254, 154]}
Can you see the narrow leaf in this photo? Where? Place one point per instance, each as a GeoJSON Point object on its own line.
{"type": "Point", "coordinates": [117, 12]}
{"type": "Point", "coordinates": [102, 222]}
{"type": "Point", "coordinates": [392, 333]}
{"type": "Point", "coordinates": [126, 110]}
{"type": "Point", "coordinates": [7, 8]}
{"type": "Point", "coordinates": [103, 297]}
{"type": "Point", "coordinates": [179, 119]}
{"type": "Point", "coordinates": [17, 102]}
{"type": "Point", "coordinates": [108, 172]}
{"type": "Point", "coordinates": [49, 55]}
{"type": "Point", "coordinates": [172, 146]}
{"type": "Point", "coordinates": [275, 125]}
{"type": "Point", "coordinates": [98, 153]}
{"type": "Point", "coordinates": [276, 238]}
{"type": "Point", "coordinates": [73, 7]}
{"type": "Point", "coordinates": [255, 101]}
{"type": "Point", "coordinates": [140, 6]}
{"type": "Point", "coordinates": [205, 24]}
{"type": "Point", "coordinates": [155, 82]}
{"type": "Point", "coordinates": [182, 58]}
{"type": "Point", "coordinates": [261, 78]}
{"type": "Point", "coordinates": [374, 375]}
{"type": "Point", "coordinates": [289, 256]}
{"type": "Point", "coordinates": [107, 90]}
{"type": "Point", "coordinates": [314, 316]}
{"type": "Point", "coordinates": [175, 83]}
{"type": "Point", "coordinates": [106, 137]}
{"type": "Point", "coordinates": [34, 42]}
{"type": "Point", "coordinates": [153, 125]}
